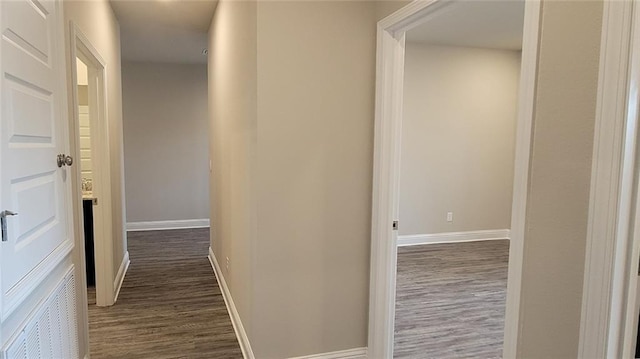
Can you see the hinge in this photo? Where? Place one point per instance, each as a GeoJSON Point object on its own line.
{"type": "Point", "coordinates": [395, 225]}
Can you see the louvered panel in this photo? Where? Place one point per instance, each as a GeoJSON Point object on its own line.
{"type": "Point", "coordinates": [52, 333]}
{"type": "Point", "coordinates": [70, 343]}
{"type": "Point", "coordinates": [73, 315]}
{"type": "Point", "coordinates": [44, 334]}
{"type": "Point", "coordinates": [33, 342]}
{"type": "Point", "coordinates": [56, 329]}
{"type": "Point", "coordinates": [18, 349]}
{"type": "Point", "coordinates": [65, 344]}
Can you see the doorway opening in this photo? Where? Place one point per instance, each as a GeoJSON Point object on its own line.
{"type": "Point", "coordinates": [454, 105]}
{"type": "Point", "coordinates": [86, 177]}
{"type": "Point", "coordinates": [92, 150]}
{"type": "Point", "coordinates": [456, 180]}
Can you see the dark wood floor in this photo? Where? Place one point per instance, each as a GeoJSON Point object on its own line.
{"type": "Point", "coordinates": [450, 300]}
{"type": "Point", "coordinates": [170, 305]}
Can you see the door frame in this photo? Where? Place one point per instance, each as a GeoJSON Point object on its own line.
{"type": "Point", "coordinates": [82, 48]}
{"type": "Point", "coordinates": [386, 172]}
{"type": "Point", "coordinates": [609, 306]}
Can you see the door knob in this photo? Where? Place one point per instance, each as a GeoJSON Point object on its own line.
{"type": "Point", "coordinates": [3, 223]}
{"type": "Point", "coordinates": [64, 160]}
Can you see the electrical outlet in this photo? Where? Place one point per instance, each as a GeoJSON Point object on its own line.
{"type": "Point", "coordinates": [449, 216]}
{"type": "Point", "coordinates": [227, 264]}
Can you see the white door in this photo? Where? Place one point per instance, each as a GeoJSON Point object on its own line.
{"type": "Point", "coordinates": [37, 298]}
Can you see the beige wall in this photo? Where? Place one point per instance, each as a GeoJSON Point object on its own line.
{"type": "Point", "coordinates": [233, 126]}
{"type": "Point", "coordinates": [458, 138]}
{"type": "Point", "coordinates": [166, 141]}
{"type": "Point", "coordinates": [384, 8]}
{"type": "Point", "coordinates": [557, 208]}
{"type": "Point", "coordinates": [292, 113]}
{"type": "Point", "coordinates": [98, 23]}
{"type": "Point", "coordinates": [291, 183]}
{"type": "Point", "coordinates": [315, 145]}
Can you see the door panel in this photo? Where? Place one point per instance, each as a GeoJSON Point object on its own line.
{"type": "Point", "coordinates": [32, 184]}
{"type": "Point", "coordinates": [30, 26]}
{"type": "Point", "coordinates": [30, 115]}
{"type": "Point", "coordinates": [32, 134]}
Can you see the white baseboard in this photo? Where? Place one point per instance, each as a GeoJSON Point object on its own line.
{"type": "Point", "coordinates": [453, 237]}
{"type": "Point", "coordinates": [241, 334]}
{"type": "Point", "coordinates": [162, 225]}
{"type": "Point", "coordinates": [122, 271]}
{"type": "Point", "coordinates": [356, 353]}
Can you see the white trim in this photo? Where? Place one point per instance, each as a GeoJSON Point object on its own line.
{"type": "Point", "coordinates": [122, 272]}
{"type": "Point", "coordinates": [17, 294]}
{"type": "Point", "coordinates": [453, 237]}
{"type": "Point", "coordinates": [526, 100]}
{"type": "Point", "coordinates": [609, 317]}
{"type": "Point", "coordinates": [162, 225]}
{"type": "Point", "coordinates": [388, 124]}
{"type": "Point", "coordinates": [623, 318]}
{"type": "Point", "coordinates": [355, 353]}
{"type": "Point", "coordinates": [82, 48]}
{"type": "Point", "coordinates": [238, 328]}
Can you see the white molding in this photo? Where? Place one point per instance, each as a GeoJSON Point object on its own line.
{"type": "Point", "coordinates": [389, 74]}
{"type": "Point", "coordinates": [236, 321]}
{"type": "Point", "coordinates": [81, 47]}
{"type": "Point", "coordinates": [609, 317]}
{"type": "Point", "coordinates": [122, 272]}
{"type": "Point", "coordinates": [453, 237]}
{"type": "Point", "coordinates": [164, 225]}
{"type": "Point", "coordinates": [388, 125]}
{"type": "Point", "coordinates": [623, 317]}
{"type": "Point", "coordinates": [18, 293]}
{"type": "Point", "coordinates": [355, 353]}
{"type": "Point", "coordinates": [526, 101]}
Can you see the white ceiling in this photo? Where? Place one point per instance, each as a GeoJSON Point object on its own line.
{"type": "Point", "coordinates": [479, 23]}
{"type": "Point", "coordinates": [170, 31]}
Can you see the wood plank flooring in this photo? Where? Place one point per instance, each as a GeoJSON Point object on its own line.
{"type": "Point", "coordinates": [450, 300]}
{"type": "Point", "coordinates": [170, 305]}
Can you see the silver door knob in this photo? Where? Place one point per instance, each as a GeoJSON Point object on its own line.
{"type": "Point", "coordinates": [3, 223]}
{"type": "Point", "coordinates": [64, 160]}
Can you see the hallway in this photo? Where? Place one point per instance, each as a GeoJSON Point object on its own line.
{"type": "Point", "coordinates": [170, 305]}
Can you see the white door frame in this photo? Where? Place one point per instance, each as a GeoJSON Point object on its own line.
{"type": "Point", "coordinates": [82, 48]}
{"type": "Point", "coordinates": [609, 306]}
{"type": "Point", "coordinates": [386, 172]}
